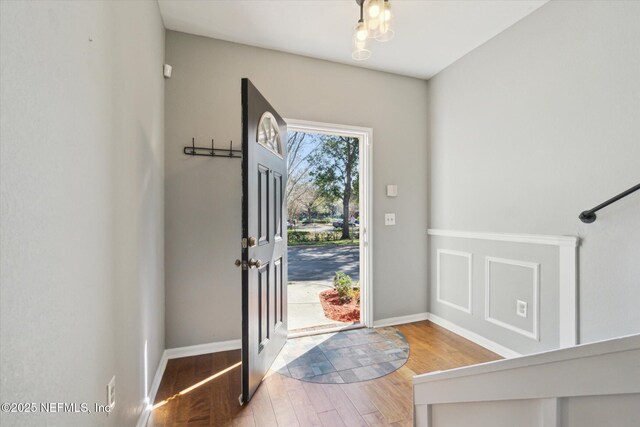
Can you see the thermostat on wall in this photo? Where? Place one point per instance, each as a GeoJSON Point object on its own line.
{"type": "Point", "coordinates": [392, 190]}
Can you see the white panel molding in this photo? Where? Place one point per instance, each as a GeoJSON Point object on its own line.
{"type": "Point", "coordinates": [469, 257]}
{"type": "Point", "coordinates": [551, 411]}
{"type": "Point", "coordinates": [400, 320]}
{"type": "Point", "coordinates": [568, 267]}
{"type": "Point", "coordinates": [535, 267]}
{"type": "Point", "coordinates": [538, 239]}
{"type": "Point", "coordinates": [476, 338]}
{"type": "Point", "coordinates": [568, 297]}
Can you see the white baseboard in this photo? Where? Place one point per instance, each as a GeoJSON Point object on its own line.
{"type": "Point", "coordinates": [391, 321]}
{"type": "Point", "coordinates": [155, 385]}
{"type": "Point", "coordinates": [174, 353]}
{"type": "Point", "coordinates": [472, 336]}
{"type": "Point", "coordinates": [465, 333]}
{"type": "Point", "coordinates": [196, 350]}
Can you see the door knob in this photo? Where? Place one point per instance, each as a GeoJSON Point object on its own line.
{"type": "Point", "coordinates": [238, 263]}
{"type": "Point", "coordinates": [255, 263]}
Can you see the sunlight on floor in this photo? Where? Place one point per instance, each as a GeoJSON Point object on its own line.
{"type": "Point", "coordinates": [196, 385]}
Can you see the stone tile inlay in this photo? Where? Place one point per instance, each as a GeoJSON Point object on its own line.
{"type": "Point", "coordinates": [343, 357]}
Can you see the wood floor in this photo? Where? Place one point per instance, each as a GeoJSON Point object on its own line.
{"type": "Point", "coordinates": [197, 391]}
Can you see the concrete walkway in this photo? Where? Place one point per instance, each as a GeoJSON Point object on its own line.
{"type": "Point", "coordinates": [305, 309]}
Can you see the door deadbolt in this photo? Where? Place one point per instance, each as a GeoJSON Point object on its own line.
{"type": "Point", "coordinates": [252, 242]}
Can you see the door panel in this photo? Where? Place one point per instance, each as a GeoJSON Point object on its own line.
{"type": "Point", "coordinates": [263, 204]}
{"type": "Point", "coordinates": [277, 292]}
{"type": "Point", "coordinates": [277, 205]}
{"type": "Point", "coordinates": [264, 259]}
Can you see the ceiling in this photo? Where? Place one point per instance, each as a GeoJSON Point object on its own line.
{"type": "Point", "coordinates": [429, 35]}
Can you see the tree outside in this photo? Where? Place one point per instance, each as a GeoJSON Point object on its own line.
{"type": "Point", "coordinates": [323, 182]}
{"type": "Point", "coordinates": [334, 170]}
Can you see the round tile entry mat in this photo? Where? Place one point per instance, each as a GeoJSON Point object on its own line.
{"type": "Point", "coordinates": [343, 357]}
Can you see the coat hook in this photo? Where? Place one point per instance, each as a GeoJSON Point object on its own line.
{"type": "Point", "coordinates": [211, 151]}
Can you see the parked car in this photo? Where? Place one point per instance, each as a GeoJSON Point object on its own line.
{"type": "Point", "coordinates": [338, 224]}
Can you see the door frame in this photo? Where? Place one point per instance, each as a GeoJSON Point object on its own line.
{"type": "Point", "coordinates": [365, 138]}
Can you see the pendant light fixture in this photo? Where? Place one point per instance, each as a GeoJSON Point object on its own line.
{"type": "Point", "coordinates": [374, 23]}
{"type": "Point", "coordinates": [385, 33]}
{"type": "Point", "coordinates": [360, 35]}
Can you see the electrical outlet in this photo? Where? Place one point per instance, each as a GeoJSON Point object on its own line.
{"type": "Point", "coordinates": [521, 308]}
{"type": "Point", "coordinates": [390, 219]}
{"type": "Point", "coordinates": [111, 393]}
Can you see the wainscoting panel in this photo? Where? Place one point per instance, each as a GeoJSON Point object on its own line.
{"type": "Point", "coordinates": [454, 279]}
{"type": "Point", "coordinates": [518, 291]}
{"type": "Point", "coordinates": [507, 283]}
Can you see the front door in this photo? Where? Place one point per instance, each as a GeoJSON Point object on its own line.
{"type": "Point", "coordinates": [264, 233]}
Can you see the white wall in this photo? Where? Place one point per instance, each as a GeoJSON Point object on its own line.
{"type": "Point", "coordinates": [539, 124]}
{"type": "Point", "coordinates": [203, 195]}
{"type": "Point", "coordinates": [592, 411]}
{"type": "Point", "coordinates": [589, 385]}
{"type": "Point", "coordinates": [81, 206]}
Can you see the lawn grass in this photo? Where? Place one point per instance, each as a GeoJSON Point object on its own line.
{"type": "Point", "coordinates": [344, 242]}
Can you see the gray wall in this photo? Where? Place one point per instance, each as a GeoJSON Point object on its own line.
{"type": "Point", "coordinates": [203, 195]}
{"type": "Point", "coordinates": [535, 126]}
{"type": "Point", "coordinates": [81, 175]}
{"type": "Point", "coordinates": [507, 284]}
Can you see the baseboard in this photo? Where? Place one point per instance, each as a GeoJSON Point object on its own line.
{"type": "Point", "coordinates": [155, 385]}
{"type": "Point", "coordinates": [196, 350]}
{"type": "Point", "coordinates": [391, 321]}
{"type": "Point", "coordinates": [174, 353]}
{"type": "Point", "coordinates": [472, 336]}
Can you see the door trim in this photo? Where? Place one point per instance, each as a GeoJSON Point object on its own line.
{"type": "Point", "coordinates": [365, 136]}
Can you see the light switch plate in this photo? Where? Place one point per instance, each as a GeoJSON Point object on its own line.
{"type": "Point", "coordinates": [392, 190]}
{"type": "Point", "coordinates": [521, 308]}
{"type": "Point", "coordinates": [389, 219]}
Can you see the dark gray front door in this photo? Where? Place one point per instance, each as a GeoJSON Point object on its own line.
{"type": "Point", "coordinates": [264, 259]}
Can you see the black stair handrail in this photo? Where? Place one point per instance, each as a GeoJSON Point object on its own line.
{"type": "Point", "coordinates": [589, 216]}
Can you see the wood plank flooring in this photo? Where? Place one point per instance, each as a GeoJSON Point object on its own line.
{"type": "Point", "coordinates": [283, 401]}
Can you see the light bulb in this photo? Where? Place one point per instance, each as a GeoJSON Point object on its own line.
{"type": "Point", "coordinates": [361, 31]}
{"type": "Point", "coordinates": [372, 23]}
{"type": "Point", "coordinates": [360, 51]}
{"type": "Point", "coordinates": [373, 9]}
{"type": "Point", "coordinates": [385, 33]}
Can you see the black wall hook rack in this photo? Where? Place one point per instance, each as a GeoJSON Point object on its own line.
{"type": "Point", "coordinates": [212, 151]}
